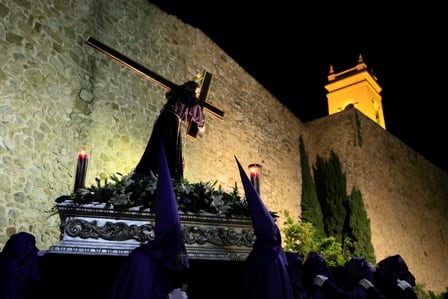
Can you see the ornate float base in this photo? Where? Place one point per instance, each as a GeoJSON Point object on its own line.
{"type": "Point", "coordinates": [96, 230]}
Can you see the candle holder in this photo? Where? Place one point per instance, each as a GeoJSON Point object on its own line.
{"type": "Point", "coordinates": [255, 175]}
{"type": "Point", "coordinates": [81, 166]}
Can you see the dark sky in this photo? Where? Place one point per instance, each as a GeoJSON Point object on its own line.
{"type": "Point", "coordinates": [288, 47]}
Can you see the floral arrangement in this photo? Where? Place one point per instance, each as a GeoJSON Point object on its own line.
{"type": "Point", "coordinates": [123, 192]}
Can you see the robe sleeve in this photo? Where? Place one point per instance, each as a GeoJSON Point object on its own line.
{"type": "Point", "coordinates": [196, 115]}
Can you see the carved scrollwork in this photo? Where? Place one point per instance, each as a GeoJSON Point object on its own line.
{"type": "Point", "coordinates": [218, 236]}
{"type": "Point", "coordinates": [98, 231]}
{"type": "Point", "coordinates": [110, 231]}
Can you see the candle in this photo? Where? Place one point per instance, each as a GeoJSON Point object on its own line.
{"type": "Point", "coordinates": [81, 169]}
{"type": "Point", "coordinates": [255, 175]}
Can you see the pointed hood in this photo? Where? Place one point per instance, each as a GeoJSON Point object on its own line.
{"type": "Point", "coordinates": [266, 265]}
{"type": "Point", "coordinates": [264, 225]}
{"type": "Point", "coordinates": [144, 275]}
{"type": "Point", "coordinates": [168, 246]}
{"type": "Point", "coordinates": [167, 214]}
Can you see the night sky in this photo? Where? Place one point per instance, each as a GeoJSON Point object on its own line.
{"type": "Point", "coordinates": [289, 46]}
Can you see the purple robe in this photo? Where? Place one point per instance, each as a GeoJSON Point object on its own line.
{"type": "Point", "coordinates": [146, 272]}
{"type": "Point", "coordinates": [265, 274]}
{"type": "Point", "coordinates": [388, 271]}
{"type": "Point", "coordinates": [19, 269]}
{"type": "Point", "coordinates": [315, 264]}
{"type": "Point", "coordinates": [182, 106]}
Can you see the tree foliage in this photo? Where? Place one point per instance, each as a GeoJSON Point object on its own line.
{"type": "Point", "coordinates": [311, 210]}
{"type": "Point", "coordinates": [358, 230]}
{"type": "Point", "coordinates": [331, 191]}
{"type": "Point", "coordinates": [334, 216]}
{"type": "Point", "coordinates": [301, 237]}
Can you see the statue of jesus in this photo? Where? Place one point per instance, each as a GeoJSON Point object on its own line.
{"type": "Point", "coordinates": [181, 106]}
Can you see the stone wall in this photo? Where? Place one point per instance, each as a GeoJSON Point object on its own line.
{"type": "Point", "coordinates": [57, 92]}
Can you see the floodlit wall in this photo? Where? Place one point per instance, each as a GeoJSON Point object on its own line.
{"type": "Point", "coordinates": [57, 92]}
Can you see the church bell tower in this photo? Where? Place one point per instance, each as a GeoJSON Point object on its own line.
{"type": "Point", "coordinates": [355, 87]}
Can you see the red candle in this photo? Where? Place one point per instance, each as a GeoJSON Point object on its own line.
{"type": "Point", "coordinates": [255, 174]}
{"type": "Point", "coordinates": [81, 169]}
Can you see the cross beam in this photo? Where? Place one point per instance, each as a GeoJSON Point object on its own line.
{"type": "Point", "coordinates": [157, 79]}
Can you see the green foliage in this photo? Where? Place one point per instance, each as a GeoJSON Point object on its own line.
{"type": "Point", "coordinates": [345, 217]}
{"type": "Point", "coordinates": [311, 210]}
{"type": "Point", "coordinates": [333, 252]}
{"type": "Point", "coordinates": [423, 294]}
{"type": "Point", "coordinates": [358, 230]}
{"type": "Point", "coordinates": [301, 237]}
{"type": "Point", "coordinates": [123, 192]}
{"type": "Point", "coordinates": [330, 185]}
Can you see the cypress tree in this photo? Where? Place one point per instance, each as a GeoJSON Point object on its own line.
{"type": "Point", "coordinates": [311, 210]}
{"type": "Point", "coordinates": [359, 227]}
{"type": "Point", "coordinates": [331, 190]}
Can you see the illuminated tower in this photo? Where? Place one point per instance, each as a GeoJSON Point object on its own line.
{"type": "Point", "coordinates": [355, 87]}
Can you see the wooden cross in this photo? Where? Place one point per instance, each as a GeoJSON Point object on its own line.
{"type": "Point", "coordinates": [156, 78]}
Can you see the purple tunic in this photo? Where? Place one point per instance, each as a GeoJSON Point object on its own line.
{"type": "Point", "coordinates": [182, 106]}
{"type": "Point", "coordinates": [19, 268]}
{"type": "Point", "coordinates": [145, 273]}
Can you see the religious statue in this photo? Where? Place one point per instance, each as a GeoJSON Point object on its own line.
{"type": "Point", "coordinates": [182, 106]}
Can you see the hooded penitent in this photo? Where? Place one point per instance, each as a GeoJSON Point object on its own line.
{"type": "Point", "coordinates": [146, 272]}
{"type": "Point", "coordinates": [388, 271]}
{"type": "Point", "coordinates": [19, 269]}
{"type": "Point", "coordinates": [265, 275]}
